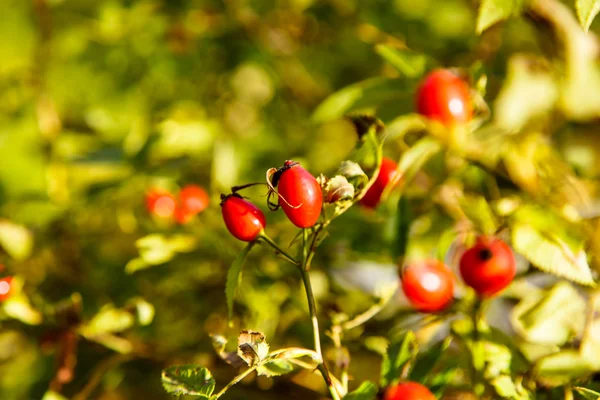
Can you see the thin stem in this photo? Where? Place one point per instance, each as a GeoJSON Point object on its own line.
{"type": "Point", "coordinates": [242, 187]}
{"type": "Point", "coordinates": [236, 380]}
{"type": "Point", "coordinates": [367, 315]}
{"type": "Point", "coordinates": [313, 313]}
{"type": "Point", "coordinates": [279, 250]}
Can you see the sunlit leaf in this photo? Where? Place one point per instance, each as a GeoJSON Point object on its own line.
{"type": "Point", "coordinates": [477, 209]}
{"type": "Point", "coordinates": [51, 395]}
{"type": "Point", "coordinates": [15, 239]}
{"type": "Point", "coordinates": [19, 308]}
{"type": "Point", "coordinates": [414, 158]}
{"type": "Point", "coordinates": [109, 320]}
{"type": "Point", "coordinates": [586, 393]}
{"type": "Point", "coordinates": [551, 318]}
{"type": "Point", "coordinates": [492, 11]}
{"type": "Point", "coordinates": [366, 391]}
{"type": "Point", "coordinates": [276, 367]}
{"type": "Point", "coordinates": [369, 93]}
{"type": "Point", "coordinates": [587, 11]}
{"type": "Point", "coordinates": [409, 63]}
{"type": "Point", "coordinates": [188, 380]}
{"type": "Point", "coordinates": [529, 91]}
{"type": "Point", "coordinates": [234, 277]}
{"type": "Point", "coordinates": [551, 254]}
{"type": "Point", "coordinates": [560, 368]}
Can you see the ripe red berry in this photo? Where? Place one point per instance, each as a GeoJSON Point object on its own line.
{"type": "Point", "coordinates": [444, 97]}
{"type": "Point", "coordinates": [300, 194]}
{"type": "Point", "coordinates": [387, 173]}
{"type": "Point", "coordinates": [428, 285]}
{"type": "Point", "coordinates": [5, 287]}
{"type": "Point", "coordinates": [161, 203]}
{"type": "Point", "coordinates": [243, 219]}
{"type": "Point", "coordinates": [193, 199]}
{"type": "Point", "coordinates": [408, 391]}
{"type": "Point", "coordinates": [488, 266]}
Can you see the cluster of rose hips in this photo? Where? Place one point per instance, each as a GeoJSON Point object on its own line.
{"type": "Point", "coordinates": [6, 286]}
{"type": "Point", "coordinates": [192, 200]}
{"type": "Point", "coordinates": [487, 267]}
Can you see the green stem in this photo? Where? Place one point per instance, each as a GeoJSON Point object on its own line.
{"type": "Point", "coordinates": [367, 315]}
{"type": "Point", "coordinates": [278, 249]}
{"type": "Point", "coordinates": [477, 355]}
{"type": "Point", "coordinates": [313, 314]}
{"type": "Point", "coordinates": [236, 380]}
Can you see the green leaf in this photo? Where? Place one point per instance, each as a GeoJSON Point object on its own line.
{"type": "Point", "coordinates": [366, 391]}
{"type": "Point", "coordinates": [188, 380]}
{"type": "Point", "coordinates": [377, 344]}
{"type": "Point", "coordinates": [529, 91]}
{"type": "Point", "coordinates": [561, 368]}
{"type": "Point", "coordinates": [415, 158]}
{"type": "Point", "coordinates": [276, 367]}
{"type": "Point", "coordinates": [587, 11]}
{"type": "Point", "coordinates": [477, 209]}
{"type": "Point", "coordinates": [16, 240]}
{"type": "Point", "coordinates": [366, 94]}
{"type": "Point", "coordinates": [156, 249]}
{"type": "Point", "coordinates": [492, 11]}
{"type": "Point", "coordinates": [552, 318]}
{"type": "Point", "coordinates": [234, 277]}
{"type": "Point", "coordinates": [51, 395]}
{"type": "Point", "coordinates": [399, 354]}
{"type": "Point", "coordinates": [108, 320]}
{"type": "Point", "coordinates": [551, 254]}
{"type": "Point", "coordinates": [426, 362]}
{"type": "Point", "coordinates": [403, 219]}
{"type": "Point", "coordinates": [411, 64]}
{"type": "Point", "coordinates": [586, 393]}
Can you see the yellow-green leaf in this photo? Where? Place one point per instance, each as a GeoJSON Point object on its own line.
{"type": "Point", "coordinates": [586, 12]}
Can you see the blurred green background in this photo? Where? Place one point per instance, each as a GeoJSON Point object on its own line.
{"type": "Point", "coordinates": [102, 100]}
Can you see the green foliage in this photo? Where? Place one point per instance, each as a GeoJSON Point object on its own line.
{"type": "Point", "coordinates": [102, 101]}
{"type": "Point", "coordinates": [493, 11]}
{"type": "Point", "coordinates": [399, 354]}
{"type": "Point", "coordinates": [234, 276]}
{"type": "Point", "coordinates": [366, 391]}
{"type": "Point", "coordinates": [587, 11]}
{"type": "Point", "coordinates": [188, 380]}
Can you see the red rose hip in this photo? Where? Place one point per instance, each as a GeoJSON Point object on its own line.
{"type": "Point", "coordinates": [408, 391]}
{"type": "Point", "coordinates": [386, 176]}
{"type": "Point", "coordinates": [428, 285]}
{"type": "Point", "coordinates": [444, 97]}
{"type": "Point", "coordinates": [300, 194]}
{"type": "Point", "coordinates": [193, 199]}
{"type": "Point", "coordinates": [6, 288]}
{"type": "Point", "coordinates": [243, 219]}
{"type": "Point", "coordinates": [488, 266]}
{"type": "Point", "coordinates": [161, 203]}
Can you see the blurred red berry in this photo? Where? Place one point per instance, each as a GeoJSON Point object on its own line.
{"type": "Point", "coordinates": [6, 287]}
{"type": "Point", "coordinates": [161, 203]}
{"type": "Point", "coordinates": [193, 199]}
{"type": "Point", "coordinates": [489, 266]}
{"type": "Point", "coordinates": [386, 175]}
{"type": "Point", "coordinates": [428, 285]}
{"type": "Point", "coordinates": [444, 97]}
{"type": "Point", "coordinates": [408, 391]}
